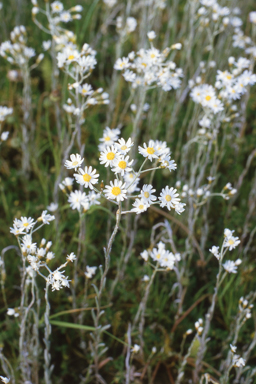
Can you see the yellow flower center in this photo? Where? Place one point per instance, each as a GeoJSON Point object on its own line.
{"type": "Point", "coordinates": [75, 163]}
{"type": "Point", "coordinates": [110, 156]}
{"type": "Point", "coordinates": [231, 242]}
{"type": "Point", "coordinates": [25, 224]}
{"type": "Point", "coordinates": [150, 150]}
{"type": "Point", "coordinates": [141, 206]}
{"type": "Point", "coordinates": [229, 77]}
{"type": "Point", "coordinates": [122, 164]}
{"type": "Point", "coordinates": [86, 177]}
{"type": "Point", "coordinates": [158, 256]}
{"type": "Point", "coordinates": [71, 57]}
{"type": "Point", "coordinates": [208, 98]}
{"type": "Point", "coordinates": [124, 147]}
{"type": "Point", "coordinates": [144, 64]}
{"type": "Point", "coordinates": [116, 191]}
{"type": "Point", "coordinates": [152, 55]}
{"type": "Point", "coordinates": [146, 194]}
{"type": "Point", "coordinates": [107, 138]}
{"type": "Point", "coordinates": [168, 198]}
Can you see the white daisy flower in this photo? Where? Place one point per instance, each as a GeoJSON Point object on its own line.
{"type": "Point", "coordinates": [46, 218]}
{"type": "Point", "coordinates": [17, 230]}
{"type": "Point", "coordinates": [179, 208]}
{"type": "Point", "coordinates": [122, 165]}
{"type": "Point", "coordinates": [146, 193]}
{"type": "Point", "coordinates": [71, 257]}
{"type": "Point", "coordinates": [239, 362]}
{"type": "Point", "coordinates": [108, 155]}
{"type": "Point", "coordinates": [75, 162]}
{"type": "Point", "coordinates": [50, 255]}
{"type": "Point", "coordinates": [68, 182]}
{"type": "Point", "coordinates": [161, 146]}
{"type": "Point", "coordinates": [121, 64]}
{"type": "Point", "coordinates": [150, 151]}
{"type": "Point", "coordinates": [86, 90]}
{"type": "Point", "coordinates": [27, 245]}
{"type": "Point", "coordinates": [167, 260]}
{"type": "Point", "coordinates": [135, 348]}
{"type": "Point", "coordinates": [90, 271]}
{"type": "Point", "coordinates": [87, 177]}
{"type": "Point", "coordinates": [65, 17]}
{"type": "Point", "coordinates": [144, 255]}
{"type": "Point", "coordinates": [169, 198]}
{"type": "Point", "coordinates": [140, 206]}
{"type": "Point", "coordinates": [52, 207]}
{"type": "Point", "coordinates": [123, 146]}
{"type": "Point", "coordinates": [158, 253]}
{"type": "Point", "coordinates": [115, 191]}
{"type": "Point", "coordinates": [230, 266]}
{"type": "Point", "coordinates": [25, 222]}
{"type": "Point", "coordinates": [109, 137]}
{"type": "Point", "coordinates": [166, 162]}
{"type": "Point", "coordinates": [77, 199]}
{"type": "Point", "coordinates": [231, 242]}
{"type": "Point", "coordinates": [215, 251]}
{"type": "Point", "coordinates": [151, 35]}
{"type": "Point", "coordinates": [46, 45]}
{"type": "Point", "coordinates": [57, 7]}
{"type": "Point", "coordinates": [233, 348]}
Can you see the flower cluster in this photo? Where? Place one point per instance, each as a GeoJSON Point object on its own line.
{"type": "Point", "coordinates": [126, 28]}
{"type": "Point", "coordinates": [237, 361]}
{"type": "Point", "coordinates": [13, 312]}
{"type": "Point", "coordinates": [90, 272]}
{"type": "Point", "coordinates": [199, 326]}
{"type": "Point", "coordinates": [230, 242]}
{"type": "Point", "coordinates": [203, 193]}
{"type": "Point", "coordinates": [210, 12]}
{"type": "Point", "coordinates": [149, 68]}
{"type": "Point", "coordinates": [85, 59]}
{"type": "Point", "coordinates": [79, 65]}
{"type": "Point", "coordinates": [4, 112]}
{"type": "Point", "coordinates": [229, 86]}
{"type": "Point", "coordinates": [162, 256]}
{"type": "Point", "coordinates": [56, 15]}
{"type": "Point", "coordinates": [115, 155]}
{"type": "Point", "coordinates": [16, 51]}
{"type": "Point", "coordinates": [38, 256]}
{"type": "Point", "coordinates": [245, 308]}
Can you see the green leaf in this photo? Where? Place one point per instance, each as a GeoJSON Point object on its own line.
{"type": "Point", "coordinates": [72, 325]}
{"type": "Point", "coordinates": [84, 328]}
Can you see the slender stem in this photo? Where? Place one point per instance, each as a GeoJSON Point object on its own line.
{"type": "Point", "coordinates": [47, 333]}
